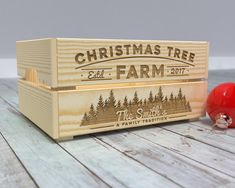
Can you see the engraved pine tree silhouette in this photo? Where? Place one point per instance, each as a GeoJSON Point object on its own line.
{"type": "Point", "coordinates": [106, 110]}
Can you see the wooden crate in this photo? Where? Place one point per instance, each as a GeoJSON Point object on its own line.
{"type": "Point", "coordinates": [71, 87]}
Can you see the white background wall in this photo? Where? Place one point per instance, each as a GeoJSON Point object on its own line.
{"type": "Point", "coordinates": [210, 20]}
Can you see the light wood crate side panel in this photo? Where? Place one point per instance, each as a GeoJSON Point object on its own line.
{"type": "Point", "coordinates": [131, 66]}
{"type": "Point", "coordinates": [38, 56]}
{"type": "Point", "coordinates": [96, 110]}
{"type": "Point", "coordinates": [40, 106]}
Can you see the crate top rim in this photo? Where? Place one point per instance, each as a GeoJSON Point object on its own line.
{"type": "Point", "coordinates": [108, 87]}
{"type": "Point", "coordinates": [113, 40]}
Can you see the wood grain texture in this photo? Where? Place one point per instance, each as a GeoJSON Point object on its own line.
{"type": "Point", "coordinates": [113, 167]}
{"type": "Point", "coordinates": [204, 160]}
{"type": "Point", "coordinates": [165, 160]}
{"type": "Point", "coordinates": [56, 64]}
{"type": "Point", "coordinates": [60, 70]}
{"type": "Point", "coordinates": [47, 163]}
{"type": "Point", "coordinates": [205, 124]}
{"type": "Point", "coordinates": [75, 106]}
{"type": "Point", "coordinates": [39, 55]}
{"type": "Point", "coordinates": [12, 173]}
{"type": "Point", "coordinates": [213, 157]}
{"type": "Point", "coordinates": [39, 156]}
{"type": "Point", "coordinates": [192, 168]}
{"type": "Point", "coordinates": [40, 106]}
{"type": "Point", "coordinates": [222, 139]}
{"type": "Point", "coordinates": [69, 113]}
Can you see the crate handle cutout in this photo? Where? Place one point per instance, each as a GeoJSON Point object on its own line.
{"type": "Point", "coordinates": [31, 75]}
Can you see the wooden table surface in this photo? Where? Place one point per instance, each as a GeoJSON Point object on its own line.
{"type": "Point", "coordinates": [179, 154]}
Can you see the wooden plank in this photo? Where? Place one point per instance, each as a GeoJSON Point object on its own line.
{"type": "Point", "coordinates": [47, 163]}
{"type": "Point", "coordinates": [113, 167]}
{"type": "Point", "coordinates": [206, 123]}
{"type": "Point", "coordinates": [39, 56]}
{"type": "Point", "coordinates": [85, 111]}
{"type": "Point", "coordinates": [7, 86]}
{"type": "Point", "coordinates": [40, 106]}
{"type": "Point", "coordinates": [207, 155]}
{"type": "Point", "coordinates": [10, 83]}
{"type": "Point", "coordinates": [12, 173]}
{"type": "Point", "coordinates": [200, 178]}
{"type": "Point", "coordinates": [166, 161]}
{"type": "Point", "coordinates": [72, 62]}
{"type": "Point", "coordinates": [116, 67]}
{"type": "Point", "coordinates": [88, 149]}
{"type": "Point", "coordinates": [207, 136]}
{"type": "Point", "coordinates": [67, 113]}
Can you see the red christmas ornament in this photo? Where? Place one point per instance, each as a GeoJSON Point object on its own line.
{"type": "Point", "coordinates": [221, 105]}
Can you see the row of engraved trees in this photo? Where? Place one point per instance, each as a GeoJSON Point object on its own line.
{"type": "Point", "coordinates": [106, 110]}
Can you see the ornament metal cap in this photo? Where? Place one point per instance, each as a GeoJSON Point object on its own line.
{"type": "Point", "coordinates": [222, 121]}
